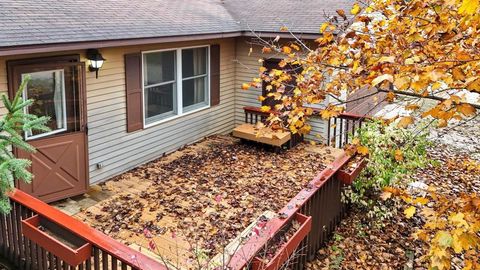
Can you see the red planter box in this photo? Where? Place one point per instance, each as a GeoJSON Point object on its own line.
{"type": "Point", "coordinates": [56, 240]}
{"type": "Point", "coordinates": [348, 176]}
{"type": "Point", "coordinates": [282, 254]}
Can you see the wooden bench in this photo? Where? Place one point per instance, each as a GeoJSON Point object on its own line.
{"type": "Point", "coordinates": [264, 135]}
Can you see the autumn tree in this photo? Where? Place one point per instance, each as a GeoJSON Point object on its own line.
{"type": "Point", "coordinates": [423, 49]}
{"type": "Point", "coordinates": [418, 48]}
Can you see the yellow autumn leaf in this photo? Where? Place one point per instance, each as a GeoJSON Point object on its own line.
{"type": "Point", "coordinates": [362, 150]}
{"type": "Point", "coordinates": [390, 97]}
{"type": "Point", "coordinates": [295, 47]}
{"type": "Point", "coordinates": [405, 122]}
{"type": "Point", "coordinates": [469, 7]}
{"type": "Point", "coordinates": [245, 86]}
{"type": "Point", "coordinates": [265, 108]}
{"type": "Point", "coordinates": [466, 109]}
{"type": "Point", "coordinates": [474, 85]}
{"type": "Point", "coordinates": [287, 49]}
{"type": "Point", "coordinates": [355, 9]}
{"type": "Point", "coordinates": [341, 12]}
{"type": "Point", "coordinates": [458, 74]}
{"type": "Point", "coordinates": [458, 219]}
{"type": "Point", "coordinates": [324, 27]}
{"type": "Point", "coordinates": [421, 200]}
{"type": "Point", "coordinates": [398, 155]}
{"type": "Point", "coordinates": [410, 211]}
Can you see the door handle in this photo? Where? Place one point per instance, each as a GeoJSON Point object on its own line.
{"type": "Point", "coordinates": [85, 128]}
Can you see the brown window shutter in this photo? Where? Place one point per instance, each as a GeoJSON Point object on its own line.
{"type": "Point", "coordinates": [133, 85]}
{"type": "Point", "coordinates": [214, 75]}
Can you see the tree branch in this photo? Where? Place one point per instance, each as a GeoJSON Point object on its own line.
{"type": "Point", "coordinates": [411, 94]}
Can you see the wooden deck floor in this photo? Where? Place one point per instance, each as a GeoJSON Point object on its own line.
{"type": "Point", "coordinates": [91, 207]}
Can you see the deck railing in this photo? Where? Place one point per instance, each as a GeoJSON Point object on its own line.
{"type": "Point", "coordinates": [321, 200]}
{"type": "Point", "coordinates": [255, 114]}
{"type": "Point", "coordinates": [25, 254]}
{"type": "Point", "coordinates": [341, 127]}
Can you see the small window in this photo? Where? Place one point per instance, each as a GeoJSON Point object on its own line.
{"type": "Point", "coordinates": [175, 82]}
{"type": "Point", "coordinates": [47, 90]}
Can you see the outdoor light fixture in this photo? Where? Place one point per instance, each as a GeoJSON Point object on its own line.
{"type": "Point", "coordinates": [96, 60]}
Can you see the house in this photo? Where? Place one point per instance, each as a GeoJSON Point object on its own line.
{"type": "Point", "coordinates": [171, 76]}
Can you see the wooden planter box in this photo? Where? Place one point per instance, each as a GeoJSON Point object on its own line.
{"type": "Point", "coordinates": [56, 240]}
{"type": "Point", "coordinates": [287, 249]}
{"type": "Point", "coordinates": [347, 176]}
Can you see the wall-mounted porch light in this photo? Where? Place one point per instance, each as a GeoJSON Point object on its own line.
{"type": "Point", "coordinates": [96, 60]}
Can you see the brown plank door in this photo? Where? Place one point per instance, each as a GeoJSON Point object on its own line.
{"type": "Point", "coordinates": [60, 165]}
{"type": "Point", "coordinates": [273, 63]}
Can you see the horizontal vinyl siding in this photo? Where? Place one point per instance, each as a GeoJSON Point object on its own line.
{"type": "Point", "coordinates": [119, 151]}
{"type": "Point", "coordinates": [3, 84]}
{"type": "Point", "coordinates": [247, 68]}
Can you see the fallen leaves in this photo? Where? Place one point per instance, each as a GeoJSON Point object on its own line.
{"type": "Point", "coordinates": [207, 193]}
{"type": "Point", "coordinates": [410, 211]}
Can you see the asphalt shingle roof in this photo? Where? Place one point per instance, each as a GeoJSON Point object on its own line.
{"type": "Point", "coordinates": [299, 16]}
{"type": "Point", "coordinates": [42, 22]}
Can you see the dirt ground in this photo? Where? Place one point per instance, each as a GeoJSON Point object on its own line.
{"type": "Point", "coordinates": [207, 193]}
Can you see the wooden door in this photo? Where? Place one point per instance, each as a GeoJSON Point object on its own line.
{"type": "Point", "coordinates": [59, 165]}
{"type": "Point", "coordinates": [273, 63]}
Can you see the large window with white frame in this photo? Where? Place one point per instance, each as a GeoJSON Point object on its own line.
{"type": "Point", "coordinates": [175, 82]}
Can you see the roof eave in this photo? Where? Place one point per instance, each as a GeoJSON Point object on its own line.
{"type": "Point", "coordinates": [81, 45]}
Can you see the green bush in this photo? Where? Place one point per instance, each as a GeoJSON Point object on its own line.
{"type": "Point", "coordinates": [393, 154]}
{"type": "Point", "coordinates": [12, 127]}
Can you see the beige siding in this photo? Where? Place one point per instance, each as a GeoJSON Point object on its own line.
{"type": "Point", "coordinates": [117, 150]}
{"type": "Point", "coordinates": [247, 66]}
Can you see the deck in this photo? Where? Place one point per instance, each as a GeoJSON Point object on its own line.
{"type": "Point", "coordinates": [209, 193]}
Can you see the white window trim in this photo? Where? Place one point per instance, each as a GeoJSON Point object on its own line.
{"type": "Point", "coordinates": [64, 107]}
{"type": "Point", "coordinates": [179, 85]}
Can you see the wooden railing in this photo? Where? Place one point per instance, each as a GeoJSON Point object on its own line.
{"type": "Point", "coordinates": [255, 114]}
{"type": "Point", "coordinates": [25, 254]}
{"type": "Point", "coordinates": [321, 200]}
{"type": "Point", "coordinates": [341, 127]}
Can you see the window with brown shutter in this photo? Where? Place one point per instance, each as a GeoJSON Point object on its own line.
{"type": "Point", "coordinates": [133, 85]}
{"type": "Point", "coordinates": [214, 75]}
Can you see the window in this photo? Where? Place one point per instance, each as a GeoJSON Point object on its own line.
{"type": "Point", "coordinates": [175, 82]}
{"type": "Point", "coordinates": [47, 90]}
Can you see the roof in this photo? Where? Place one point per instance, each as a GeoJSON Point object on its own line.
{"type": "Point", "coordinates": [299, 16]}
{"type": "Point", "coordinates": [46, 22]}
